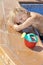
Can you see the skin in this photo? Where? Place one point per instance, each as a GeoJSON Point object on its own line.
{"type": "Point", "coordinates": [26, 20]}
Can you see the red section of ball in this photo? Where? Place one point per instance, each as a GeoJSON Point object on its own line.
{"type": "Point", "coordinates": [30, 44]}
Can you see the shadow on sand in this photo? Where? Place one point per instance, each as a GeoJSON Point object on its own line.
{"type": "Point", "coordinates": [38, 49]}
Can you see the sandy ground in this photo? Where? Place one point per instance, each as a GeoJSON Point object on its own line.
{"type": "Point", "coordinates": [18, 52]}
{"type": "Point", "coordinates": [12, 45]}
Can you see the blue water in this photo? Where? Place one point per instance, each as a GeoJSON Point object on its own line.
{"type": "Point", "coordinates": [34, 7]}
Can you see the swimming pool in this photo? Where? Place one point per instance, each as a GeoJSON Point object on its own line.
{"type": "Point", "coordinates": [33, 7]}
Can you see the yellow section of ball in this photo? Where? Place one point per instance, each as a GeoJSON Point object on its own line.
{"type": "Point", "coordinates": [22, 36]}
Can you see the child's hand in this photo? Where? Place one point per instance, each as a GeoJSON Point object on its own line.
{"type": "Point", "coordinates": [16, 27]}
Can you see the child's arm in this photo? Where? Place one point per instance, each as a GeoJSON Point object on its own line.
{"type": "Point", "coordinates": [27, 23]}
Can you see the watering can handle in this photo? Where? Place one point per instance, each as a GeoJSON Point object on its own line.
{"type": "Point", "coordinates": [36, 37]}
